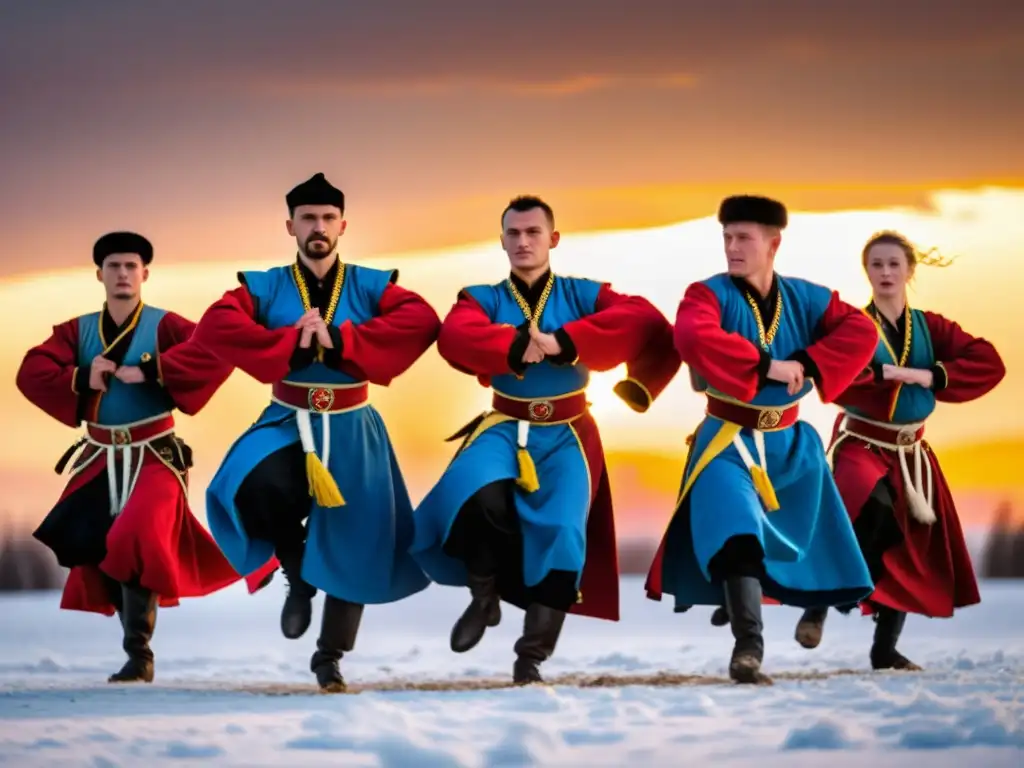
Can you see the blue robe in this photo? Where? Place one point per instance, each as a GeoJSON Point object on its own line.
{"type": "Point", "coordinates": [553, 519]}
{"type": "Point", "coordinates": [812, 557]}
{"type": "Point", "coordinates": [357, 552]}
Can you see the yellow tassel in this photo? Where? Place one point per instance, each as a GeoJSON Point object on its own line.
{"type": "Point", "coordinates": [579, 597]}
{"type": "Point", "coordinates": [764, 488]}
{"type": "Point", "coordinates": [321, 485]}
{"type": "Point", "coordinates": [527, 472]}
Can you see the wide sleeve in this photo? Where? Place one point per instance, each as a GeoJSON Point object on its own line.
{"type": "Point", "coordinates": [871, 394]}
{"type": "Point", "coordinates": [966, 366]}
{"type": "Point", "coordinates": [386, 346]}
{"type": "Point", "coordinates": [472, 343]}
{"type": "Point", "coordinates": [49, 378]}
{"type": "Point", "coordinates": [229, 331]}
{"type": "Point", "coordinates": [612, 333]}
{"type": "Point", "coordinates": [845, 342]}
{"type": "Point", "coordinates": [191, 374]}
{"type": "Point", "coordinates": [631, 330]}
{"type": "Point", "coordinates": [727, 361]}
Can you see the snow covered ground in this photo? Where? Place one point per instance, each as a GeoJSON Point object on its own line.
{"type": "Point", "coordinates": [231, 691]}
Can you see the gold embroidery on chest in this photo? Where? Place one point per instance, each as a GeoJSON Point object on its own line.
{"type": "Point", "coordinates": [908, 335]}
{"type": "Point", "coordinates": [534, 317]}
{"type": "Point", "coordinates": [332, 305]}
{"type": "Point", "coordinates": [766, 337]}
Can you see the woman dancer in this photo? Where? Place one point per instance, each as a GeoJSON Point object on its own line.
{"type": "Point", "coordinates": [895, 492]}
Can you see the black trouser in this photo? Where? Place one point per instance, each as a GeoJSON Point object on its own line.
{"type": "Point", "coordinates": [487, 537]}
{"type": "Point", "coordinates": [877, 532]}
{"type": "Point", "coordinates": [273, 501]}
{"type": "Point", "coordinates": [740, 556]}
{"type": "Point", "coordinates": [876, 528]}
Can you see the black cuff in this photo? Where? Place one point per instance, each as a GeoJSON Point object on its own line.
{"type": "Point", "coordinates": [810, 368]}
{"type": "Point", "coordinates": [332, 356]}
{"type": "Point", "coordinates": [518, 348]}
{"type": "Point", "coordinates": [940, 380]}
{"type": "Point", "coordinates": [568, 355]}
{"type": "Point", "coordinates": [762, 370]}
{"type": "Point", "coordinates": [302, 358]}
{"type": "Point", "coordinates": [82, 380]}
{"type": "Point", "coordinates": [879, 374]}
{"type": "Point", "coordinates": [150, 369]}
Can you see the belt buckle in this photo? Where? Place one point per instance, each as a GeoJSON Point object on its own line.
{"type": "Point", "coordinates": [320, 399]}
{"type": "Point", "coordinates": [120, 436]}
{"type": "Point", "coordinates": [906, 436]}
{"type": "Point", "coordinates": [540, 410]}
{"type": "Point", "coordinates": [769, 418]}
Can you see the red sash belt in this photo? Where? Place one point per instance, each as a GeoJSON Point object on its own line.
{"type": "Point", "coordinates": [128, 434]}
{"type": "Point", "coordinates": [319, 398]}
{"type": "Point", "coordinates": [542, 410]}
{"type": "Point", "coordinates": [758, 417]}
{"type": "Point", "coordinates": [895, 435]}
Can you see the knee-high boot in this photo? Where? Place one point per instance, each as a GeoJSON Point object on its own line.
{"type": "Point", "coordinates": [888, 628]}
{"type": "Point", "coordinates": [542, 627]}
{"type": "Point", "coordinates": [743, 601]}
{"type": "Point", "coordinates": [339, 627]}
{"type": "Point", "coordinates": [138, 618]}
{"type": "Point", "coordinates": [297, 611]}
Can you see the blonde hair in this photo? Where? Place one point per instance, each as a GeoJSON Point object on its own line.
{"type": "Point", "coordinates": [915, 256]}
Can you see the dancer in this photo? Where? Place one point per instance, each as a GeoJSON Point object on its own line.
{"type": "Point", "coordinates": [890, 479]}
{"type": "Point", "coordinates": [315, 481]}
{"type": "Point", "coordinates": [524, 511]}
{"type": "Point", "coordinates": [758, 514]}
{"type": "Point", "coordinates": [123, 525]}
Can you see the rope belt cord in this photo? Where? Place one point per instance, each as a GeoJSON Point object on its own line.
{"type": "Point", "coordinates": [131, 466]}
{"type": "Point", "coordinates": [919, 488]}
{"type": "Point", "coordinates": [304, 421]}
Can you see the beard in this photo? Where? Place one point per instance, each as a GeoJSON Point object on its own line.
{"type": "Point", "coordinates": [322, 253]}
{"type": "Point", "coordinates": [124, 294]}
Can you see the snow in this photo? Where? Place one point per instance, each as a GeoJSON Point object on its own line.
{"type": "Point", "coordinates": [231, 691]}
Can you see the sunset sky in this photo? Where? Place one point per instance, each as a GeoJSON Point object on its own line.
{"type": "Point", "coordinates": [188, 121]}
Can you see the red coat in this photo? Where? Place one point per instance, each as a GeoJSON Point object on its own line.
{"type": "Point", "coordinates": [155, 538]}
{"type": "Point", "coordinates": [930, 572]}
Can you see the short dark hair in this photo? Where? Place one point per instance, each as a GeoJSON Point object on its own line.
{"type": "Point", "coordinates": [525, 203]}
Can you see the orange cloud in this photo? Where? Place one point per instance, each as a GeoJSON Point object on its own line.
{"type": "Point", "coordinates": [569, 85]}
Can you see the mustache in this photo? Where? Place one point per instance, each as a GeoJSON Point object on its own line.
{"type": "Point", "coordinates": [314, 237]}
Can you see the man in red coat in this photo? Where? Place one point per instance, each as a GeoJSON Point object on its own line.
{"type": "Point", "coordinates": [123, 524]}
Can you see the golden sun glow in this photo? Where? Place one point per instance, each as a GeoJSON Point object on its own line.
{"type": "Point", "coordinates": [601, 396]}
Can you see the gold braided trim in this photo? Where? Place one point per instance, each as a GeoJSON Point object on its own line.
{"type": "Point", "coordinates": [765, 338]}
{"type": "Point", "coordinates": [908, 334]}
{"type": "Point", "coordinates": [332, 305]}
{"type": "Point", "coordinates": [534, 317]}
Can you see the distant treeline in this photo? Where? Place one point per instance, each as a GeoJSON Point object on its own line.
{"type": "Point", "coordinates": [25, 564]}
{"type": "Point", "coordinates": [1003, 555]}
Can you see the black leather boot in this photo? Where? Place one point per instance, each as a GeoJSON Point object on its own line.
{"type": "Point", "coordinates": [297, 611]}
{"type": "Point", "coordinates": [810, 627]}
{"type": "Point", "coordinates": [743, 601]}
{"type": "Point", "coordinates": [484, 611]}
{"type": "Point", "coordinates": [138, 617]}
{"type": "Point", "coordinates": [888, 627]}
{"type": "Point", "coordinates": [542, 627]}
{"type": "Point", "coordinates": [339, 626]}
{"type": "Point", "coordinates": [720, 617]}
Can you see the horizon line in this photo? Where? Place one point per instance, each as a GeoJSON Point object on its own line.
{"type": "Point", "coordinates": [456, 247]}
